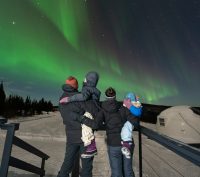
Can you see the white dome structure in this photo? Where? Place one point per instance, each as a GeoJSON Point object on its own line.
{"type": "Point", "coordinates": [181, 123]}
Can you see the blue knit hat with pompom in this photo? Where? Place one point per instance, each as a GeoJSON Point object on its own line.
{"type": "Point", "coordinates": [132, 97]}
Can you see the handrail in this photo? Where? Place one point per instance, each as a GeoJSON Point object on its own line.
{"type": "Point", "coordinates": [8, 160]}
{"type": "Point", "coordinates": [190, 153]}
{"type": "Point", "coordinates": [184, 150]}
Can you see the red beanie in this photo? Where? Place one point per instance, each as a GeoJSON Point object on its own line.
{"type": "Point", "coordinates": [72, 81]}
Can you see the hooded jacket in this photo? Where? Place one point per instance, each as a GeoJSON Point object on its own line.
{"type": "Point", "coordinates": [70, 111]}
{"type": "Point", "coordinates": [89, 90]}
{"type": "Point", "coordinates": [114, 115]}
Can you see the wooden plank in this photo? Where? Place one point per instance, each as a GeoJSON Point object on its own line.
{"type": "Point", "coordinates": [17, 163]}
{"type": "Point", "coordinates": [22, 144]}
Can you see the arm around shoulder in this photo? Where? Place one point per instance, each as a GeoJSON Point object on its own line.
{"type": "Point", "coordinates": [96, 122]}
{"type": "Point", "coordinates": [130, 117]}
{"type": "Point", "coordinates": [80, 96]}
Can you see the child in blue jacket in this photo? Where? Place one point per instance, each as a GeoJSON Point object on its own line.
{"type": "Point", "coordinates": [133, 104]}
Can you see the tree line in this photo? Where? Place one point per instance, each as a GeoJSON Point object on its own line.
{"type": "Point", "coordinates": [15, 105]}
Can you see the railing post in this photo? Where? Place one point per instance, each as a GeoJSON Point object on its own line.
{"type": "Point", "coordinates": [7, 150]}
{"type": "Point", "coordinates": [140, 148]}
{"type": "Point", "coordinates": [42, 166]}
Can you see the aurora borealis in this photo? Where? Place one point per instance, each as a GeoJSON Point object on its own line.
{"type": "Point", "coordinates": [149, 47]}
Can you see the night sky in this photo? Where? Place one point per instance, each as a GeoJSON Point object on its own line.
{"type": "Point", "coordinates": [150, 47]}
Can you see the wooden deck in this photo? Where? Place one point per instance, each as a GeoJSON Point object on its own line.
{"type": "Point", "coordinates": [49, 136]}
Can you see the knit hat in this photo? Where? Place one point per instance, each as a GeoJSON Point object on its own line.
{"type": "Point", "coordinates": [110, 93]}
{"type": "Point", "coordinates": [72, 81]}
{"type": "Point", "coordinates": [132, 97]}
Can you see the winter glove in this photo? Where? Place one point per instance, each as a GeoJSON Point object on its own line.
{"type": "Point", "coordinates": [127, 103]}
{"type": "Point", "coordinates": [64, 100]}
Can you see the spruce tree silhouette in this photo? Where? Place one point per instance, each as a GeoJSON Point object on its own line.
{"type": "Point", "coordinates": [49, 106]}
{"type": "Point", "coordinates": [27, 106]}
{"type": "Point", "coordinates": [34, 107]}
{"type": "Point", "coordinates": [41, 105]}
{"type": "Point", "coordinates": [2, 99]}
{"type": "Point", "coordinates": [15, 105]}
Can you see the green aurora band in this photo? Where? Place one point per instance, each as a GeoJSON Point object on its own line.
{"type": "Point", "coordinates": [45, 41]}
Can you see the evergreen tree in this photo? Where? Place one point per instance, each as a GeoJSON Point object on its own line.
{"type": "Point", "coordinates": [27, 106]}
{"type": "Point", "coordinates": [2, 99]}
{"type": "Point", "coordinates": [15, 105]}
{"type": "Point", "coordinates": [50, 106]}
{"type": "Point", "coordinates": [34, 107]}
{"type": "Point", "coordinates": [19, 105]}
{"type": "Point", "coordinates": [41, 105]}
{"type": "Point", "coordinates": [10, 106]}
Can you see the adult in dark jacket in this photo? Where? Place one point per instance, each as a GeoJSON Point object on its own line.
{"type": "Point", "coordinates": [89, 92]}
{"type": "Point", "coordinates": [114, 115]}
{"type": "Point", "coordinates": [74, 145]}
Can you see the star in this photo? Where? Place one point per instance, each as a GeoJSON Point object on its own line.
{"type": "Point", "coordinates": [13, 22]}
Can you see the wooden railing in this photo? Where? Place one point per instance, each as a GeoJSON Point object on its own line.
{"type": "Point", "coordinates": [190, 153]}
{"type": "Point", "coordinates": [8, 160]}
{"type": "Point", "coordinates": [183, 150]}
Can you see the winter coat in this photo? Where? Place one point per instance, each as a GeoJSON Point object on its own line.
{"type": "Point", "coordinates": [114, 115]}
{"type": "Point", "coordinates": [87, 93]}
{"type": "Point", "coordinates": [71, 111]}
{"type": "Point", "coordinates": [89, 90]}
